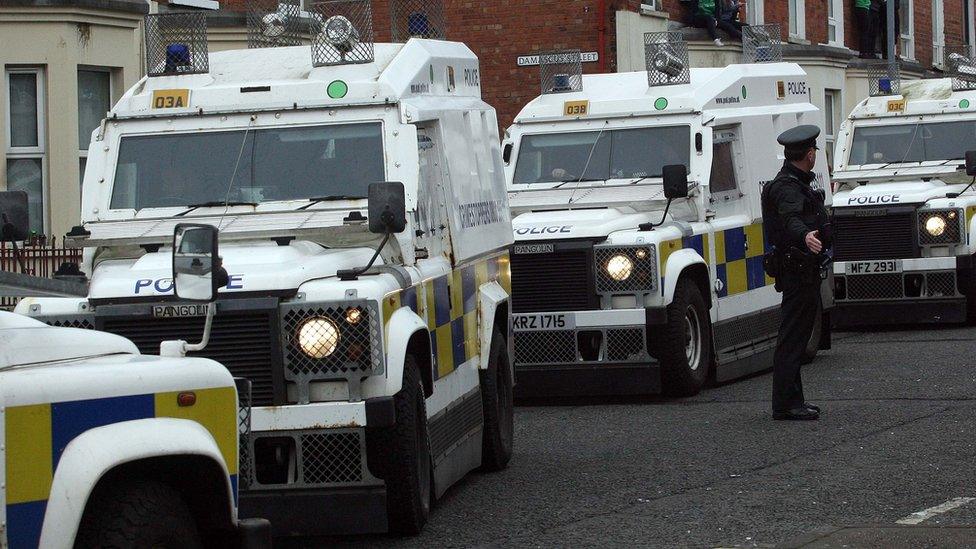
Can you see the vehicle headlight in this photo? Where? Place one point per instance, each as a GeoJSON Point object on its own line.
{"type": "Point", "coordinates": [935, 225]}
{"type": "Point", "coordinates": [318, 337]}
{"type": "Point", "coordinates": [620, 267]}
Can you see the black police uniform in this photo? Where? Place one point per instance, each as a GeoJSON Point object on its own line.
{"type": "Point", "coordinates": [791, 209]}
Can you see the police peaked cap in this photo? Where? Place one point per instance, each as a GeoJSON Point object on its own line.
{"type": "Point", "coordinates": [800, 138]}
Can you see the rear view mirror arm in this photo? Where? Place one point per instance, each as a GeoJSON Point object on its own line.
{"type": "Point", "coordinates": [353, 274]}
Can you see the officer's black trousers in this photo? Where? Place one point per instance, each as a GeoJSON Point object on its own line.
{"type": "Point", "coordinates": [801, 299]}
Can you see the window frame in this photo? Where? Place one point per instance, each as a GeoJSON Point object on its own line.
{"type": "Point", "coordinates": [834, 98]}
{"type": "Point", "coordinates": [906, 38]}
{"type": "Point", "coordinates": [938, 31]}
{"type": "Point", "coordinates": [799, 15]}
{"type": "Point", "coordinates": [38, 152]}
{"type": "Point", "coordinates": [837, 22]}
{"type": "Point", "coordinates": [721, 136]}
{"type": "Point", "coordinates": [83, 153]}
{"type": "Point", "coordinates": [755, 12]}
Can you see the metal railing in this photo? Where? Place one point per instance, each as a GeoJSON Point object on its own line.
{"type": "Point", "coordinates": [41, 255]}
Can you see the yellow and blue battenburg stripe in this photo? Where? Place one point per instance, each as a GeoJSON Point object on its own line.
{"type": "Point", "coordinates": [37, 435]}
{"type": "Point", "coordinates": [449, 305]}
{"type": "Point", "coordinates": [738, 257]}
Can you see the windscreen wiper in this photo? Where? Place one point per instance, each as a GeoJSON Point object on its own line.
{"type": "Point", "coordinates": [577, 180]}
{"type": "Point", "coordinates": [214, 204]}
{"type": "Point", "coordinates": [319, 199]}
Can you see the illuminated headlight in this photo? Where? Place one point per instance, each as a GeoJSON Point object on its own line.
{"type": "Point", "coordinates": [935, 225]}
{"type": "Point", "coordinates": [620, 267]}
{"type": "Point", "coordinates": [318, 337]}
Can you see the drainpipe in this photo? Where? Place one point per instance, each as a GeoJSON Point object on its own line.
{"type": "Point", "coordinates": [601, 32]}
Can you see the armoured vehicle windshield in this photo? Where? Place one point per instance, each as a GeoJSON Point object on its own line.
{"type": "Point", "coordinates": [600, 155]}
{"type": "Point", "coordinates": [912, 142]}
{"type": "Point", "coordinates": [271, 164]}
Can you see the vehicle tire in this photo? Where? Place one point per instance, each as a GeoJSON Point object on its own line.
{"type": "Point", "coordinates": [684, 344]}
{"type": "Point", "coordinates": [813, 345]}
{"type": "Point", "coordinates": [137, 514]}
{"type": "Point", "coordinates": [409, 479]}
{"type": "Point", "coordinates": [497, 398]}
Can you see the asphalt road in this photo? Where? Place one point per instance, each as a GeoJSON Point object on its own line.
{"type": "Point", "coordinates": [897, 436]}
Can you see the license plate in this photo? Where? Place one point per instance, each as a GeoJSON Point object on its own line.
{"type": "Point", "coordinates": [576, 108]}
{"type": "Point", "coordinates": [552, 321]}
{"type": "Point", "coordinates": [533, 248]}
{"type": "Point", "coordinates": [171, 99]}
{"type": "Point", "coordinates": [873, 267]}
{"type": "Point", "coordinates": [178, 311]}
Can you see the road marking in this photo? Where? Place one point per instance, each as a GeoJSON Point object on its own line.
{"type": "Point", "coordinates": [920, 516]}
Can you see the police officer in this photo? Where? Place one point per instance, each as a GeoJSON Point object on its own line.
{"type": "Point", "coordinates": [795, 222]}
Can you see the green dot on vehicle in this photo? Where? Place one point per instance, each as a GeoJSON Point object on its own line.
{"type": "Point", "coordinates": [744, 92]}
{"type": "Point", "coordinates": [661, 103]}
{"type": "Point", "coordinates": [964, 104]}
{"type": "Point", "coordinates": [337, 89]}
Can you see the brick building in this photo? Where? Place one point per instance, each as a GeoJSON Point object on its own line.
{"type": "Point", "coordinates": [66, 61]}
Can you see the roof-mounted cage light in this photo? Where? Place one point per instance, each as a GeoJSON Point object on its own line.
{"type": "Point", "coordinates": [176, 43]}
{"type": "Point", "coordinates": [417, 19]}
{"type": "Point", "coordinates": [884, 78]}
{"type": "Point", "coordinates": [960, 64]}
{"type": "Point", "coordinates": [561, 71]}
{"type": "Point", "coordinates": [342, 32]}
{"type": "Point", "coordinates": [762, 44]}
{"type": "Point", "coordinates": [666, 58]}
{"type": "Point", "coordinates": [275, 23]}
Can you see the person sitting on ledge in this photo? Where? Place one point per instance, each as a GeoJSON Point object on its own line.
{"type": "Point", "coordinates": [716, 14]}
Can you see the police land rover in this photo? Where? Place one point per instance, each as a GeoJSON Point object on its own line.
{"type": "Point", "coordinates": [904, 207]}
{"type": "Point", "coordinates": [377, 344]}
{"type": "Point", "coordinates": [102, 446]}
{"type": "Point", "coordinates": [637, 265]}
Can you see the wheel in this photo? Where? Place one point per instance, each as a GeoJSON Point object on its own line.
{"type": "Point", "coordinates": [137, 514]}
{"type": "Point", "coordinates": [684, 344]}
{"type": "Point", "coordinates": [496, 397]}
{"type": "Point", "coordinates": [408, 482]}
{"type": "Point", "coordinates": [813, 345]}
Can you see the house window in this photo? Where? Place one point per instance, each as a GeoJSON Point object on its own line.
{"type": "Point", "coordinates": [797, 18]}
{"type": "Point", "coordinates": [754, 12]}
{"type": "Point", "coordinates": [25, 139]}
{"type": "Point", "coordinates": [832, 112]}
{"type": "Point", "coordinates": [906, 18]}
{"type": "Point", "coordinates": [835, 22]}
{"type": "Point", "coordinates": [938, 33]}
{"type": "Point", "coordinates": [94, 100]}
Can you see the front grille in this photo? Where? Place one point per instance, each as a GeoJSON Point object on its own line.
{"type": "Point", "coordinates": [308, 458]}
{"type": "Point", "coordinates": [874, 233]}
{"type": "Point", "coordinates": [243, 341]}
{"type": "Point", "coordinates": [245, 463]}
{"type": "Point", "coordinates": [558, 281]}
{"type": "Point", "coordinates": [332, 458]}
{"type": "Point", "coordinates": [940, 284]}
{"type": "Point", "coordinates": [85, 322]}
{"type": "Point", "coordinates": [876, 286]}
{"type": "Point", "coordinates": [545, 347]}
{"type": "Point", "coordinates": [626, 344]}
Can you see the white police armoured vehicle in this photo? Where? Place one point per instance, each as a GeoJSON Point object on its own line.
{"type": "Point", "coordinates": [637, 263]}
{"type": "Point", "coordinates": [377, 344]}
{"type": "Point", "coordinates": [904, 205]}
{"type": "Point", "coordinates": [101, 446]}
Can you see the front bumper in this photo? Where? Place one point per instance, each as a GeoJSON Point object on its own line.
{"type": "Point", "coordinates": [929, 289]}
{"type": "Point", "coordinates": [604, 352]}
{"type": "Point", "coordinates": [306, 468]}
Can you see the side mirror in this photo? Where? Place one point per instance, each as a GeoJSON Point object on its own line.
{"type": "Point", "coordinates": [14, 219]}
{"type": "Point", "coordinates": [387, 208]}
{"type": "Point", "coordinates": [675, 181]}
{"type": "Point", "coordinates": [971, 163]}
{"type": "Point", "coordinates": [197, 270]}
{"type": "Point", "coordinates": [507, 153]}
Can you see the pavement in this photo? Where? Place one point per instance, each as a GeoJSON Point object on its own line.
{"type": "Point", "coordinates": [896, 442]}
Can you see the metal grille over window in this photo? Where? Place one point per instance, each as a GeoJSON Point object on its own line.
{"type": "Point", "coordinates": [342, 32]}
{"type": "Point", "coordinates": [561, 71]}
{"type": "Point", "coordinates": [630, 270]}
{"type": "Point", "coordinates": [762, 44]}
{"type": "Point", "coordinates": [884, 78]}
{"type": "Point", "coordinates": [275, 23]}
{"type": "Point", "coordinates": [176, 43]}
{"type": "Point", "coordinates": [960, 64]}
{"type": "Point", "coordinates": [666, 58]}
{"type": "Point", "coordinates": [417, 19]}
{"type": "Point", "coordinates": [940, 227]}
{"type": "Point", "coordinates": [244, 431]}
{"type": "Point", "coordinates": [331, 341]}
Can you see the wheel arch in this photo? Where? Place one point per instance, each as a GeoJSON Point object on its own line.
{"type": "Point", "coordinates": [687, 264]}
{"type": "Point", "coordinates": [407, 333]}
